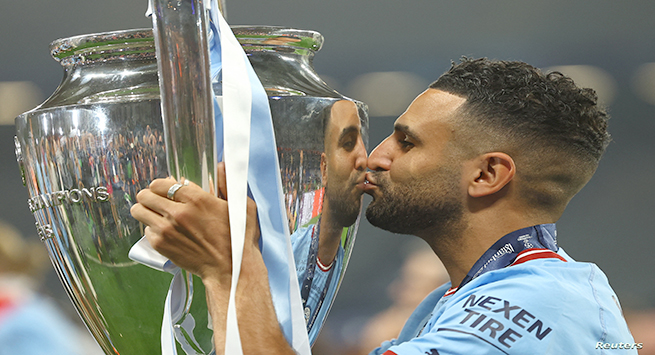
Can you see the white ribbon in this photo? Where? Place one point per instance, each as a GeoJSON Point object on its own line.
{"type": "Point", "coordinates": [236, 137]}
{"type": "Point", "coordinates": [142, 252]}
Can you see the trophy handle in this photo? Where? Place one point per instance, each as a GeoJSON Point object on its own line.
{"type": "Point", "coordinates": [187, 103]}
{"type": "Point", "coordinates": [180, 32]}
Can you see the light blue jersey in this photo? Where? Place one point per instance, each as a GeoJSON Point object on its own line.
{"type": "Point", "coordinates": [301, 242]}
{"type": "Point", "coordinates": [544, 303]}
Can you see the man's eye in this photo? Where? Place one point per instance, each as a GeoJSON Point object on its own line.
{"type": "Point", "coordinates": [405, 143]}
{"type": "Point", "coordinates": [348, 145]}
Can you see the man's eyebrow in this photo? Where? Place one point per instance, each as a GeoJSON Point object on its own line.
{"type": "Point", "coordinates": [404, 129]}
{"type": "Point", "coordinates": [348, 130]}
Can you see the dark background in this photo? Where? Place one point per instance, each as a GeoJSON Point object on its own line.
{"type": "Point", "coordinates": [611, 222]}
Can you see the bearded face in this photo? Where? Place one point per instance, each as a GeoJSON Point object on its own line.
{"type": "Point", "coordinates": [345, 200]}
{"type": "Point", "coordinates": [343, 164]}
{"type": "Point", "coordinates": [415, 175]}
{"type": "Point", "coordinates": [431, 203]}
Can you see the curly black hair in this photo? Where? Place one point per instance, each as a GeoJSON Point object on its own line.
{"type": "Point", "coordinates": [519, 98]}
{"type": "Point", "coordinates": [555, 131]}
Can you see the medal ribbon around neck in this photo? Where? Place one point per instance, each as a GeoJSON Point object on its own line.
{"type": "Point", "coordinates": [506, 249]}
{"type": "Point", "coordinates": [310, 272]}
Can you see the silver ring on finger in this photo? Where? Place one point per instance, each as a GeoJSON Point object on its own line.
{"type": "Point", "coordinates": [171, 192]}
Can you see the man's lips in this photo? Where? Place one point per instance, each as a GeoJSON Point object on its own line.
{"type": "Point", "coordinates": [369, 183]}
{"type": "Point", "coordinates": [360, 184]}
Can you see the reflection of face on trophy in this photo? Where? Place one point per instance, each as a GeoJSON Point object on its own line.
{"type": "Point", "coordinates": [86, 152]}
{"type": "Point", "coordinates": [343, 165]}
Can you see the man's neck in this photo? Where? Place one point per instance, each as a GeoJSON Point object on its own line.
{"type": "Point", "coordinates": [460, 251]}
{"type": "Point", "coordinates": [329, 238]}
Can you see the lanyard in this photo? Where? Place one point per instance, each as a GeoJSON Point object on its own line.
{"type": "Point", "coordinates": [312, 258]}
{"type": "Point", "coordinates": [505, 250]}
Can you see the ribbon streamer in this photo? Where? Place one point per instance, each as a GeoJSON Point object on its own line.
{"type": "Point", "coordinates": [236, 125]}
{"type": "Point", "coordinates": [264, 181]}
{"type": "Point", "coordinates": [255, 170]}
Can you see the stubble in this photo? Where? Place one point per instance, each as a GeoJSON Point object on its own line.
{"type": "Point", "coordinates": [429, 204]}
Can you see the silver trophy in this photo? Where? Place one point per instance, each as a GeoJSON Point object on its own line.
{"type": "Point", "coordinates": [99, 139]}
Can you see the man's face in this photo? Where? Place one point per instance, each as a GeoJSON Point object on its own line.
{"type": "Point", "coordinates": [343, 164]}
{"type": "Point", "coordinates": [414, 178]}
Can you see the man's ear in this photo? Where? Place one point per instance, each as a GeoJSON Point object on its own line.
{"type": "Point", "coordinates": [489, 173]}
{"type": "Point", "coordinates": [324, 169]}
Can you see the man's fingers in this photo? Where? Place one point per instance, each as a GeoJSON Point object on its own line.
{"type": "Point", "coordinates": [157, 241]}
{"type": "Point", "coordinates": [154, 202]}
{"type": "Point", "coordinates": [145, 215]}
{"type": "Point", "coordinates": [182, 193]}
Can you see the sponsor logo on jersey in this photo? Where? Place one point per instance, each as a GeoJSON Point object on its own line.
{"type": "Point", "coordinates": [499, 321]}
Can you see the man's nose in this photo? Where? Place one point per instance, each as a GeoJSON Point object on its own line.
{"type": "Point", "coordinates": [380, 158]}
{"type": "Point", "coordinates": [361, 159]}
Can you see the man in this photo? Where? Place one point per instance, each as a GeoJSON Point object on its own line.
{"type": "Point", "coordinates": [480, 166]}
{"type": "Point", "coordinates": [317, 247]}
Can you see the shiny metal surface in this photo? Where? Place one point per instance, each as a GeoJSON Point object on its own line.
{"type": "Point", "coordinates": [319, 169]}
{"type": "Point", "coordinates": [187, 112]}
{"type": "Point", "coordinates": [99, 139]}
{"type": "Point", "coordinates": [180, 34]}
{"type": "Point", "coordinates": [87, 151]}
{"type": "Point", "coordinates": [84, 165]}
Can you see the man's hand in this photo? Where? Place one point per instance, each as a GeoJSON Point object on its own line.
{"type": "Point", "coordinates": [193, 231]}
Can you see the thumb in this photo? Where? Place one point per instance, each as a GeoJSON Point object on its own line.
{"type": "Point", "coordinates": [222, 183]}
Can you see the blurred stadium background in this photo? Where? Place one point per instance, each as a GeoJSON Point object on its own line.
{"type": "Point", "coordinates": [385, 52]}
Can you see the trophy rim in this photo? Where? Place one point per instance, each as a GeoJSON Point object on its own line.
{"type": "Point", "coordinates": [139, 43]}
{"type": "Point", "coordinates": [134, 43]}
{"type": "Point", "coordinates": [255, 38]}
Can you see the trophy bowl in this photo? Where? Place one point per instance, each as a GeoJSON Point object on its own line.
{"type": "Point", "coordinates": [90, 147]}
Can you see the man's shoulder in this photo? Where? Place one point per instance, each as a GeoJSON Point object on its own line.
{"type": "Point", "coordinates": [546, 282]}
{"type": "Point", "coordinates": [549, 289]}
{"type": "Point", "coordinates": [535, 306]}
{"type": "Point", "coordinates": [543, 277]}
{"type": "Point", "coordinates": [544, 306]}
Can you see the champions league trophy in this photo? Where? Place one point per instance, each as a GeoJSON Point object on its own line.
{"type": "Point", "coordinates": [99, 139]}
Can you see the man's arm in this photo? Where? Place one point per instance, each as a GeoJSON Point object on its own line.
{"type": "Point", "coordinates": [193, 232]}
{"type": "Point", "coordinates": [258, 324]}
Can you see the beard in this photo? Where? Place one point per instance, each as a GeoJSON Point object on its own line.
{"type": "Point", "coordinates": [424, 204]}
{"type": "Point", "coordinates": [344, 205]}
